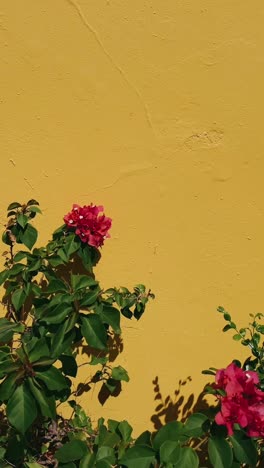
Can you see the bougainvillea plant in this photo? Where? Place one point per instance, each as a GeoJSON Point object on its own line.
{"type": "Point", "coordinates": [241, 400]}
{"type": "Point", "coordinates": [52, 305]}
{"type": "Point", "coordinates": [236, 435]}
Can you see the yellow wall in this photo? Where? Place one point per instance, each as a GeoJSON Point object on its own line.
{"type": "Point", "coordinates": [153, 108]}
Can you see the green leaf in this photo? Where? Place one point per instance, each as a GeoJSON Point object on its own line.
{"type": "Point", "coordinates": [256, 338]}
{"type": "Point", "coordinates": [18, 298]}
{"type": "Point", "coordinates": [21, 409]}
{"type": "Point", "coordinates": [237, 337]}
{"type": "Point", "coordinates": [34, 209]}
{"type": "Point", "coordinates": [56, 314]}
{"type": "Point", "coordinates": [139, 456]}
{"type": "Point", "coordinates": [227, 317]}
{"type": "Point", "coordinates": [72, 244]}
{"type": "Point", "coordinates": [141, 288]}
{"type": "Point", "coordinates": [125, 430]}
{"type": "Point", "coordinates": [80, 418]}
{"type": "Point", "coordinates": [126, 312]}
{"type": "Point", "coordinates": [82, 281]}
{"type": "Point", "coordinates": [44, 362]}
{"type": "Point", "coordinates": [87, 461]}
{"type": "Point", "coordinates": [59, 232]}
{"type": "Point", "coordinates": [194, 425]}
{"type": "Point", "coordinates": [59, 339]}
{"type": "Point", "coordinates": [6, 238]}
{"type": "Point", "coordinates": [220, 453]}
{"type": "Point", "coordinates": [7, 329]}
{"type": "Point", "coordinates": [94, 331]}
{"type": "Point", "coordinates": [20, 256]}
{"type": "Point", "coordinates": [95, 360]}
{"type": "Point", "coordinates": [71, 321]}
{"type": "Point", "coordinates": [119, 373]}
{"type": "Point", "coordinates": [170, 451]}
{"type": "Point", "coordinates": [35, 265]}
{"type": "Point", "coordinates": [46, 405]}
{"type": "Point", "coordinates": [111, 316]}
{"type": "Point", "coordinates": [29, 236]}
{"type": "Point", "coordinates": [244, 448]}
{"type": "Point", "coordinates": [171, 431]}
{"type": "Point", "coordinates": [107, 454]}
{"type": "Point", "coordinates": [103, 464]}
{"type": "Point", "coordinates": [22, 220]}
{"type": "Point", "coordinates": [3, 276]}
{"type": "Point", "coordinates": [56, 285]}
{"type": "Point", "coordinates": [32, 202]}
{"type": "Point", "coordinates": [4, 352]}
{"type": "Point", "coordinates": [73, 450]}
{"type": "Point", "coordinates": [59, 298]}
{"type": "Point", "coordinates": [61, 253]}
{"type": "Point", "coordinates": [37, 348]}
{"type": "Point", "coordinates": [86, 253]}
{"type": "Point", "coordinates": [260, 329]}
{"type": "Point", "coordinates": [33, 465]}
{"type": "Point", "coordinates": [7, 367]}
{"type": "Point", "coordinates": [144, 439]}
{"type": "Point", "coordinates": [36, 289]}
{"type": "Point", "coordinates": [108, 439]}
{"type": "Point", "coordinates": [245, 342]}
{"type": "Point", "coordinates": [53, 379]}
{"type": "Point", "coordinates": [13, 206]}
{"type": "Point", "coordinates": [89, 298]}
{"type": "Point", "coordinates": [16, 269]}
{"type": "Point", "coordinates": [187, 458]}
{"type": "Point", "coordinates": [208, 372]}
{"type": "Point", "coordinates": [55, 261]}
{"type": "Point", "coordinates": [8, 386]}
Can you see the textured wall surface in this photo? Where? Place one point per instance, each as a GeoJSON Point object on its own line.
{"type": "Point", "coordinates": [153, 108]}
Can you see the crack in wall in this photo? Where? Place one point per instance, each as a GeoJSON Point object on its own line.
{"type": "Point", "coordinates": [85, 22]}
{"type": "Point", "coordinates": [124, 174]}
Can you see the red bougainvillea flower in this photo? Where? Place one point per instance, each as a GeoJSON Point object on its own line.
{"type": "Point", "coordinates": [232, 412]}
{"type": "Point", "coordinates": [243, 401]}
{"type": "Point", "coordinates": [89, 223]}
{"type": "Point", "coordinates": [235, 381]}
{"type": "Point", "coordinates": [255, 426]}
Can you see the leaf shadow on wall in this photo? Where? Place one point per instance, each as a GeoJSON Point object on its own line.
{"type": "Point", "coordinates": [115, 347]}
{"type": "Point", "coordinates": [176, 407]}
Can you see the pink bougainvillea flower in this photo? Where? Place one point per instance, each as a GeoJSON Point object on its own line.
{"type": "Point", "coordinates": [230, 380]}
{"type": "Point", "coordinates": [232, 412]}
{"type": "Point", "coordinates": [89, 224]}
{"type": "Point", "coordinates": [255, 427]}
{"type": "Point", "coordinates": [243, 401]}
{"type": "Point", "coordinates": [235, 381]}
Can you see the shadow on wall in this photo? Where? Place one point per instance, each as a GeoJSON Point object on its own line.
{"type": "Point", "coordinates": [169, 408]}
{"type": "Point", "coordinates": [176, 407]}
{"type": "Point", "coordinates": [116, 347]}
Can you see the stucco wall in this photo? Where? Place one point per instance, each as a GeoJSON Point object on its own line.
{"type": "Point", "coordinates": [154, 109]}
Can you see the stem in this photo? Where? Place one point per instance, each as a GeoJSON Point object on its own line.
{"type": "Point", "coordinates": [203, 441]}
{"type": "Point", "coordinates": [12, 252]}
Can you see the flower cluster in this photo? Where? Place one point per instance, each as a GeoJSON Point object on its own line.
{"type": "Point", "coordinates": [242, 402]}
{"type": "Point", "coordinates": [89, 224]}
